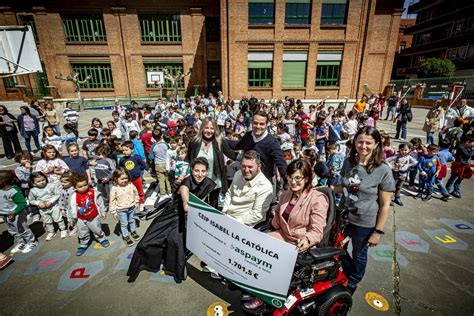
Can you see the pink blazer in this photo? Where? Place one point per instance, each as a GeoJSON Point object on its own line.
{"type": "Point", "coordinates": [308, 217]}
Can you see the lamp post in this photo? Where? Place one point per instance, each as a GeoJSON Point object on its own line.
{"type": "Point", "coordinates": [175, 79]}
{"type": "Point", "coordinates": [74, 78]}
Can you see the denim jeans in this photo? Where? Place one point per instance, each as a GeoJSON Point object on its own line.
{"type": "Point", "coordinates": [354, 266]}
{"type": "Point", "coordinates": [430, 137]}
{"type": "Point", "coordinates": [455, 180]}
{"type": "Point", "coordinates": [390, 110]}
{"type": "Point", "coordinates": [127, 218]}
{"type": "Point", "coordinates": [426, 185]}
{"type": "Point", "coordinates": [403, 127]}
{"type": "Point", "coordinates": [441, 187]}
{"type": "Point", "coordinates": [320, 147]}
{"type": "Point", "coordinates": [28, 135]}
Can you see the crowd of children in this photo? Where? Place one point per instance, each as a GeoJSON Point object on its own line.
{"type": "Point", "coordinates": [104, 173]}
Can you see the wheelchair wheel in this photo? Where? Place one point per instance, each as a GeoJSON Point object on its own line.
{"type": "Point", "coordinates": [336, 301]}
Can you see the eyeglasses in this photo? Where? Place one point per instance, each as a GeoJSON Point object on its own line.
{"type": "Point", "coordinates": [297, 179]}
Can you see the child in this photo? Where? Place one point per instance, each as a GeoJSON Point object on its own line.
{"type": "Point", "coordinates": [64, 199]}
{"type": "Point", "coordinates": [90, 144]}
{"type": "Point", "coordinates": [135, 166]}
{"type": "Point", "coordinates": [182, 166]}
{"type": "Point", "coordinates": [23, 172]}
{"type": "Point", "coordinates": [104, 136]}
{"type": "Point", "coordinates": [158, 153]}
{"type": "Point", "coordinates": [51, 165]}
{"type": "Point", "coordinates": [400, 164]}
{"type": "Point", "coordinates": [96, 124]}
{"type": "Point", "coordinates": [417, 150]}
{"type": "Point", "coordinates": [87, 208]}
{"type": "Point", "coordinates": [335, 129]}
{"type": "Point", "coordinates": [428, 167]}
{"type": "Point", "coordinates": [171, 157]}
{"type": "Point", "coordinates": [51, 138]}
{"type": "Point", "coordinates": [13, 211]}
{"type": "Point", "coordinates": [282, 133]}
{"type": "Point", "coordinates": [444, 157]}
{"type": "Point", "coordinates": [70, 115]}
{"type": "Point", "coordinates": [76, 163]}
{"type": "Point", "coordinates": [45, 195]}
{"type": "Point", "coordinates": [137, 145]}
{"type": "Point", "coordinates": [104, 168]}
{"type": "Point", "coordinates": [334, 162]}
{"type": "Point", "coordinates": [72, 134]}
{"type": "Point", "coordinates": [131, 125]}
{"type": "Point", "coordinates": [460, 168]}
{"type": "Point", "coordinates": [124, 200]}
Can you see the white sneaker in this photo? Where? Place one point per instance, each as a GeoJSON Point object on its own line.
{"type": "Point", "coordinates": [63, 234]}
{"type": "Point", "coordinates": [50, 236]}
{"type": "Point", "coordinates": [73, 232]}
{"type": "Point", "coordinates": [18, 248]}
{"type": "Point", "coordinates": [29, 247]}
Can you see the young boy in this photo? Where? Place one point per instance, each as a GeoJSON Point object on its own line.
{"type": "Point", "coordinates": [460, 168]}
{"type": "Point", "coordinates": [182, 166]}
{"type": "Point", "coordinates": [171, 156]}
{"type": "Point", "coordinates": [119, 123]}
{"type": "Point", "coordinates": [104, 168]}
{"type": "Point", "coordinates": [158, 153]}
{"type": "Point", "coordinates": [87, 209]}
{"type": "Point", "coordinates": [428, 167]}
{"type": "Point", "coordinates": [13, 210]}
{"type": "Point", "coordinates": [137, 145]}
{"type": "Point", "coordinates": [445, 156]}
{"type": "Point", "coordinates": [400, 164]}
{"type": "Point", "coordinates": [90, 144]}
{"type": "Point", "coordinates": [135, 167]}
{"type": "Point", "coordinates": [334, 162]}
{"type": "Point", "coordinates": [76, 163]}
{"type": "Point", "coordinates": [147, 141]}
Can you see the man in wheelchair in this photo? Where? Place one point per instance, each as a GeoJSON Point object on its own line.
{"type": "Point", "coordinates": [305, 216]}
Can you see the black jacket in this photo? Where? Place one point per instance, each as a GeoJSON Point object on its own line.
{"type": "Point", "coordinates": [220, 169]}
{"type": "Point", "coordinates": [3, 129]}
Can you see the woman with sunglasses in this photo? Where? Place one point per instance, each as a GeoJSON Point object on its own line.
{"type": "Point", "coordinates": [367, 186]}
{"type": "Point", "coordinates": [300, 216]}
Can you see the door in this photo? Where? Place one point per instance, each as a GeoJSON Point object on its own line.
{"type": "Point", "coordinates": [213, 77]}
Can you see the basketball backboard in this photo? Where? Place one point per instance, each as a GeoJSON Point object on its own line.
{"type": "Point", "coordinates": [155, 77]}
{"type": "Point", "coordinates": [18, 52]}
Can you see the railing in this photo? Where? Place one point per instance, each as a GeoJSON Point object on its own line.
{"type": "Point", "coordinates": [436, 88]}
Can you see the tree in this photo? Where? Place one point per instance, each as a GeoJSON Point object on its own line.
{"type": "Point", "coordinates": [435, 67]}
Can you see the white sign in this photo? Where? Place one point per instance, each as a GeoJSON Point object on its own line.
{"type": "Point", "coordinates": [155, 77]}
{"type": "Point", "coordinates": [256, 262]}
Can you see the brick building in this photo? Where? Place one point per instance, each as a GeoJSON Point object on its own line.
{"type": "Point", "coordinates": [303, 48]}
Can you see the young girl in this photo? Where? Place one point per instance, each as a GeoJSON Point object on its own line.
{"type": "Point", "coordinates": [64, 200]}
{"type": "Point", "coordinates": [46, 196]}
{"type": "Point", "coordinates": [23, 172]}
{"type": "Point", "coordinates": [72, 134]}
{"type": "Point", "coordinates": [97, 124]}
{"type": "Point", "coordinates": [388, 150]}
{"type": "Point", "coordinates": [87, 209]}
{"type": "Point", "coordinates": [182, 166]}
{"type": "Point", "coordinates": [124, 200]}
{"type": "Point", "coordinates": [401, 164]}
{"type": "Point", "coordinates": [51, 165]}
{"type": "Point", "coordinates": [51, 138]}
{"type": "Point", "coordinates": [13, 210]}
{"type": "Point", "coordinates": [104, 168]}
{"type": "Point", "coordinates": [239, 126]}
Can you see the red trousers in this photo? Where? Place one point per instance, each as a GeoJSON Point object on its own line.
{"type": "Point", "coordinates": [139, 185]}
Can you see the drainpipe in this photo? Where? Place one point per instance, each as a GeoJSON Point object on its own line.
{"type": "Point", "coordinates": [364, 43]}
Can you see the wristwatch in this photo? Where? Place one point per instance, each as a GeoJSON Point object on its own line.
{"type": "Point", "coordinates": [378, 231]}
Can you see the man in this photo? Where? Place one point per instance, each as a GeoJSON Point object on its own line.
{"type": "Point", "coordinates": [359, 106]}
{"type": "Point", "coordinates": [70, 115]}
{"type": "Point", "coordinates": [250, 194]}
{"type": "Point", "coordinates": [462, 110]}
{"type": "Point", "coordinates": [392, 105]}
{"type": "Point", "coordinates": [265, 144]}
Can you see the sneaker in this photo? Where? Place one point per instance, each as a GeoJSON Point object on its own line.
{"type": "Point", "coordinates": [135, 236]}
{"type": "Point", "coordinates": [18, 248]}
{"type": "Point", "coordinates": [35, 218]}
{"type": "Point", "coordinates": [456, 195]}
{"type": "Point", "coordinates": [427, 198]}
{"type": "Point", "coordinates": [398, 201]}
{"type": "Point", "coordinates": [445, 198]}
{"type": "Point", "coordinates": [80, 251]}
{"type": "Point", "coordinates": [128, 241]}
{"type": "Point", "coordinates": [73, 232]}
{"type": "Point", "coordinates": [419, 196]}
{"type": "Point", "coordinates": [29, 246]}
{"type": "Point", "coordinates": [50, 236]}
{"type": "Point", "coordinates": [5, 261]}
{"type": "Point", "coordinates": [63, 234]}
{"type": "Point", "coordinates": [105, 243]}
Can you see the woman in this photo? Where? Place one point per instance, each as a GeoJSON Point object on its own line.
{"type": "Point", "coordinates": [29, 127]}
{"type": "Point", "coordinates": [402, 118]}
{"type": "Point", "coordinates": [367, 186]}
{"type": "Point", "coordinates": [52, 118]}
{"type": "Point", "coordinates": [432, 121]}
{"type": "Point", "coordinates": [38, 111]}
{"type": "Point", "coordinates": [209, 144]}
{"type": "Point", "coordinates": [9, 133]}
{"type": "Point", "coordinates": [300, 215]}
{"type": "Point", "coordinates": [169, 228]}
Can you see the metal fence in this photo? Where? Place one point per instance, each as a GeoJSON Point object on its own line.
{"type": "Point", "coordinates": [437, 88]}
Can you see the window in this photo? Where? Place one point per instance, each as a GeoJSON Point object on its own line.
{"type": "Point", "coordinates": [403, 45]}
{"type": "Point", "coordinates": [84, 28]}
{"type": "Point", "coordinates": [333, 12]}
{"type": "Point", "coordinates": [260, 68]}
{"type": "Point", "coordinates": [173, 68]}
{"type": "Point", "coordinates": [10, 83]}
{"type": "Point", "coordinates": [328, 68]}
{"type": "Point", "coordinates": [30, 21]}
{"type": "Point", "coordinates": [101, 74]}
{"type": "Point", "coordinates": [160, 27]}
{"type": "Point", "coordinates": [458, 53]}
{"type": "Point", "coordinates": [294, 69]}
{"type": "Point", "coordinates": [213, 29]}
{"type": "Point", "coordinates": [261, 12]}
{"type": "Point", "coordinates": [297, 12]}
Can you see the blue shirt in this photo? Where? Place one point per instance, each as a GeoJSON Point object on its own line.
{"type": "Point", "coordinates": [134, 165]}
{"type": "Point", "coordinates": [77, 164]}
{"type": "Point", "coordinates": [138, 149]}
{"type": "Point", "coordinates": [444, 156]}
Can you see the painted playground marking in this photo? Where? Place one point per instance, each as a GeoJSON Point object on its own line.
{"type": "Point", "coordinates": [458, 225]}
{"type": "Point", "coordinates": [79, 274]}
{"type": "Point", "coordinates": [377, 301]}
{"type": "Point", "coordinates": [384, 253]}
{"type": "Point", "coordinates": [446, 239]}
{"type": "Point", "coordinates": [19, 256]}
{"type": "Point", "coordinates": [96, 249]}
{"type": "Point", "coordinates": [411, 242]}
{"type": "Point", "coordinates": [124, 259]}
{"type": "Point", "coordinates": [162, 276]}
{"type": "Point", "coordinates": [49, 262]}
